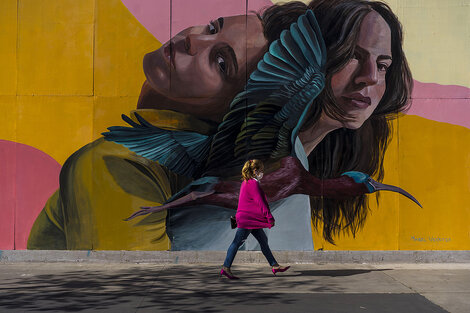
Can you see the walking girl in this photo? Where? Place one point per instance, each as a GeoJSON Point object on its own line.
{"type": "Point", "coordinates": [252, 216]}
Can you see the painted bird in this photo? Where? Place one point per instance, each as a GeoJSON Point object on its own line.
{"type": "Point", "coordinates": [263, 123]}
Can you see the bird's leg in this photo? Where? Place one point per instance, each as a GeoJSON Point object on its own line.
{"type": "Point", "coordinates": [223, 194]}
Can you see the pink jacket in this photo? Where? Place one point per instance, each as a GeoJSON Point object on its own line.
{"type": "Point", "coordinates": [253, 208]}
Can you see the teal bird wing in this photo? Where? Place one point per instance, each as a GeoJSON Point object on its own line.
{"type": "Point", "coordinates": [182, 152]}
{"type": "Point", "coordinates": [276, 99]}
{"type": "Point", "coordinates": [278, 95]}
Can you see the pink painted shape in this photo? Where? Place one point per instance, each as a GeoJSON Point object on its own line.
{"type": "Point", "coordinates": [154, 15]}
{"type": "Point", "coordinates": [28, 178]}
{"type": "Point", "coordinates": [433, 90]}
{"type": "Point", "coordinates": [441, 103]}
{"type": "Point", "coordinates": [7, 194]}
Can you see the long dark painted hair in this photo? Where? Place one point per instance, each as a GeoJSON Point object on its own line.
{"type": "Point", "coordinates": [362, 149]}
{"type": "Point", "coordinates": [344, 149]}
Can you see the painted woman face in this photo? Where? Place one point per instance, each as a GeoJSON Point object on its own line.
{"type": "Point", "coordinates": [206, 66]}
{"type": "Point", "coordinates": [361, 84]}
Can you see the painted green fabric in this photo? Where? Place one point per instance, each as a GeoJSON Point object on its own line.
{"type": "Point", "coordinates": [102, 184]}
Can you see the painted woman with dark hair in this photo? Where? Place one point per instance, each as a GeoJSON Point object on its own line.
{"type": "Point", "coordinates": [335, 132]}
{"type": "Point", "coordinates": [368, 83]}
{"type": "Point", "coordinates": [348, 127]}
{"type": "Point", "coordinates": [190, 82]}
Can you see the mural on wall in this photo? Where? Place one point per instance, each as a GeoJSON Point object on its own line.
{"type": "Point", "coordinates": [319, 106]}
{"type": "Point", "coordinates": [265, 120]}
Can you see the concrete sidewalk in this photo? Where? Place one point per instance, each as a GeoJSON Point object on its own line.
{"type": "Point", "coordinates": [118, 287]}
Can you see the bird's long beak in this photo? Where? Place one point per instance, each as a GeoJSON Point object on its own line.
{"type": "Point", "coordinates": [379, 186]}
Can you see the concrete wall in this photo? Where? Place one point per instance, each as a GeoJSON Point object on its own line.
{"type": "Point", "coordinates": [69, 69]}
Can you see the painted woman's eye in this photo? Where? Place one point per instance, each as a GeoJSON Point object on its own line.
{"type": "Point", "coordinates": [211, 28]}
{"type": "Point", "coordinates": [382, 67]}
{"type": "Point", "coordinates": [221, 63]}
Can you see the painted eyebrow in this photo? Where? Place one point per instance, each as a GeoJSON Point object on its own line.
{"type": "Point", "coordinates": [221, 22]}
{"type": "Point", "coordinates": [380, 57]}
{"type": "Point", "coordinates": [384, 57]}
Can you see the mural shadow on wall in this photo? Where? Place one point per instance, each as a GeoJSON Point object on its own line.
{"type": "Point", "coordinates": [184, 288]}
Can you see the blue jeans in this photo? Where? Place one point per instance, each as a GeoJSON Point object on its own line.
{"type": "Point", "coordinates": [241, 236]}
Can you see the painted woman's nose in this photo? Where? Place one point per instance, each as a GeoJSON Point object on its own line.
{"type": "Point", "coordinates": [368, 73]}
{"type": "Point", "coordinates": [193, 43]}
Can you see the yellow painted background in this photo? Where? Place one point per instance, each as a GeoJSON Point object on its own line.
{"type": "Point", "coordinates": [69, 68]}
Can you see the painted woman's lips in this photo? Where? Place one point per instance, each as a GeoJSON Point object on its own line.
{"type": "Point", "coordinates": [357, 100]}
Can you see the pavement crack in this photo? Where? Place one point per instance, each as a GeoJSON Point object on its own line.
{"type": "Point", "coordinates": [396, 280]}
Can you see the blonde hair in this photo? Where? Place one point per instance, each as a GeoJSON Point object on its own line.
{"type": "Point", "coordinates": [250, 167]}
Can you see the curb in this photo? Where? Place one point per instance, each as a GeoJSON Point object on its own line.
{"type": "Point", "coordinates": [190, 257]}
